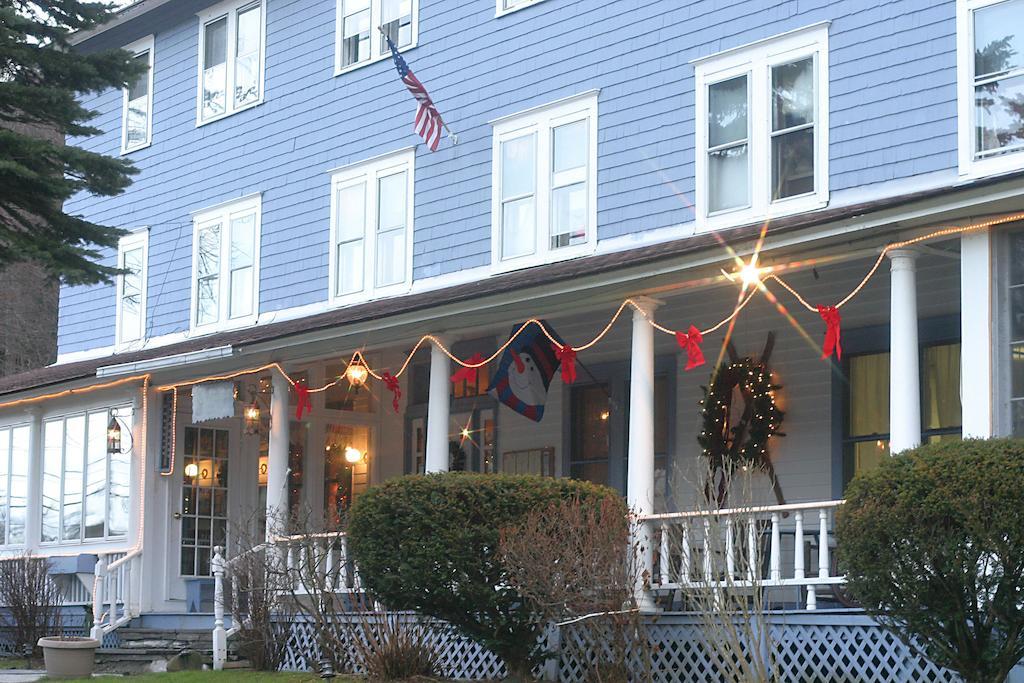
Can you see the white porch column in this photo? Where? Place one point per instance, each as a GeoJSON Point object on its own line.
{"type": "Point", "coordinates": [438, 406]}
{"type": "Point", "coordinates": [976, 335]}
{"type": "Point", "coordinates": [904, 372]}
{"type": "Point", "coordinates": [640, 467]}
{"type": "Point", "coordinates": [277, 456]}
{"type": "Point", "coordinates": [33, 500]}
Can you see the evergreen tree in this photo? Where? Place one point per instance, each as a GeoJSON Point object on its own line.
{"type": "Point", "coordinates": [41, 79]}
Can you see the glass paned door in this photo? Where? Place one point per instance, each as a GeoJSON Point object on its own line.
{"type": "Point", "coordinates": [346, 469]}
{"type": "Point", "coordinates": [204, 498]}
{"type": "Point", "coordinates": [591, 446]}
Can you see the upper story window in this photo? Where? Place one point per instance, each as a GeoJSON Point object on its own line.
{"type": "Point", "coordinates": [371, 228]}
{"type": "Point", "coordinates": [1013, 332]}
{"type": "Point", "coordinates": [357, 40]}
{"type": "Point", "coordinates": [137, 109]}
{"type": "Point", "coordinates": [225, 264]}
{"type": "Point", "coordinates": [544, 184]}
{"type": "Point", "coordinates": [991, 75]}
{"type": "Point", "coordinates": [231, 49]}
{"type": "Point", "coordinates": [85, 487]}
{"type": "Point", "coordinates": [506, 6]}
{"type": "Point", "coordinates": [762, 129]}
{"type": "Point", "coordinates": [132, 257]}
{"type": "Point", "coordinates": [14, 459]}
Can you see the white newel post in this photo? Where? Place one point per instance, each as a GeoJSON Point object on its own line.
{"type": "Point", "coordinates": [640, 469]}
{"type": "Point", "coordinates": [220, 639]}
{"type": "Point", "coordinates": [438, 406]}
{"type": "Point", "coordinates": [904, 372]}
{"type": "Point", "coordinates": [277, 456]}
{"type": "Point", "coordinates": [99, 579]}
{"type": "Point", "coordinates": [976, 334]}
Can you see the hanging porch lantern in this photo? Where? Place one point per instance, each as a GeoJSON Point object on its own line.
{"type": "Point", "coordinates": [113, 436]}
{"type": "Point", "coordinates": [356, 373]}
{"type": "Point", "coordinates": [251, 414]}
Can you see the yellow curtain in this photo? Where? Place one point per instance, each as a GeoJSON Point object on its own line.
{"type": "Point", "coordinates": [941, 385]}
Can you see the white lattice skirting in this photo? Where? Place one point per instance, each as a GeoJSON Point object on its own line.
{"type": "Point", "coordinates": [825, 647]}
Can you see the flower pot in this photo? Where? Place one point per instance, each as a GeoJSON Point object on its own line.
{"type": "Point", "coordinates": [69, 657]}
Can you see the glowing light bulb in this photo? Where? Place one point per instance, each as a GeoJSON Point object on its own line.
{"type": "Point", "coordinates": [192, 470]}
{"type": "Point", "coordinates": [356, 373]}
{"type": "Point", "coordinates": [353, 455]}
{"type": "Point", "coordinates": [465, 433]}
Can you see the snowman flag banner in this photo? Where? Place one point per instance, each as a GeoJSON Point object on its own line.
{"type": "Point", "coordinates": [524, 372]}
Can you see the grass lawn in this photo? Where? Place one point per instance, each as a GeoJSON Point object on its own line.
{"type": "Point", "coordinates": [215, 676]}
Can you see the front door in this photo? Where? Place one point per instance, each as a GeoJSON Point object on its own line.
{"type": "Point", "coordinates": [204, 497]}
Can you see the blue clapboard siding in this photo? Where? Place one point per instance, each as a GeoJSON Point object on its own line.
{"type": "Point", "coordinates": [893, 116]}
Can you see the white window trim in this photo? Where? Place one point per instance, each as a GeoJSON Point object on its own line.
{"type": "Point", "coordinates": [137, 48]}
{"type": "Point", "coordinates": [369, 171]}
{"type": "Point", "coordinates": [121, 410]}
{"type": "Point", "coordinates": [756, 60]}
{"type": "Point", "coordinates": [223, 212]}
{"type": "Point", "coordinates": [540, 119]}
{"type": "Point", "coordinates": [133, 240]}
{"type": "Point", "coordinates": [5, 536]}
{"type": "Point", "coordinates": [376, 54]}
{"type": "Point", "coordinates": [500, 10]}
{"type": "Point", "coordinates": [227, 9]}
{"type": "Point", "coordinates": [969, 166]}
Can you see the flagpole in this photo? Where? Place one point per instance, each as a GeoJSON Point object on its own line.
{"type": "Point", "coordinates": [452, 136]}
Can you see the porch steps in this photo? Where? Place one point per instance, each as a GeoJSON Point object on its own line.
{"type": "Point", "coordinates": [145, 649]}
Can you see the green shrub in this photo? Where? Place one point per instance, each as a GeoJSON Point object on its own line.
{"type": "Point", "coordinates": [933, 544]}
{"type": "Point", "coordinates": [430, 543]}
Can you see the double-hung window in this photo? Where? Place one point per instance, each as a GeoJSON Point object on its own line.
{"type": "Point", "coordinates": [990, 57]}
{"type": "Point", "coordinates": [14, 459]}
{"type": "Point", "coordinates": [132, 258]}
{"type": "Point", "coordinates": [371, 228]}
{"type": "Point", "coordinates": [762, 129]}
{"type": "Point", "coordinates": [225, 264]}
{"type": "Point", "coordinates": [544, 184]}
{"type": "Point", "coordinates": [137, 107]}
{"type": "Point", "coordinates": [231, 50]}
{"type": "Point", "coordinates": [85, 490]}
{"type": "Point", "coordinates": [357, 40]}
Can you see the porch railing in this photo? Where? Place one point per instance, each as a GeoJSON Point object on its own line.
{"type": "Point", "coordinates": [308, 563]}
{"type": "Point", "coordinates": [749, 548]}
{"type": "Point", "coordinates": [116, 594]}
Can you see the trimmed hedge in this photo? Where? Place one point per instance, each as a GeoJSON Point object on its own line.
{"type": "Point", "coordinates": [933, 545]}
{"type": "Point", "coordinates": [429, 543]}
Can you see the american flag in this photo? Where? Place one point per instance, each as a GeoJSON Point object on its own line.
{"type": "Point", "coordinates": [428, 122]}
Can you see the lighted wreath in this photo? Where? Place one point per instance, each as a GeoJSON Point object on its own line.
{"type": "Point", "coordinates": [732, 439]}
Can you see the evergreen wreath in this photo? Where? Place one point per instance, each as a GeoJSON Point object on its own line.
{"type": "Point", "coordinates": [728, 443]}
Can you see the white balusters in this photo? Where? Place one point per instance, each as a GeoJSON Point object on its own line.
{"type": "Point", "coordinates": [730, 550]}
{"type": "Point", "coordinates": [685, 570]}
{"type": "Point", "coordinates": [220, 641]}
{"type": "Point", "coordinates": [707, 576]}
{"type": "Point", "coordinates": [752, 572]}
{"type": "Point", "coordinates": [823, 564]}
{"type": "Point", "coordinates": [775, 556]}
{"type": "Point", "coordinates": [798, 545]}
{"type": "Point", "coordinates": [664, 564]}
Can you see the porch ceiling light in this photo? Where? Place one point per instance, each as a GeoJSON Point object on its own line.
{"type": "Point", "coordinates": [750, 274]}
{"type": "Point", "coordinates": [113, 436]}
{"type": "Point", "coordinates": [192, 470]}
{"type": "Point", "coordinates": [353, 455]}
{"type": "Point", "coordinates": [252, 417]}
{"type": "Point", "coordinates": [356, 373]}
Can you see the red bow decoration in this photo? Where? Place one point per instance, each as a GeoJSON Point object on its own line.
{"type": "Point", "coordinates": [691, 341]}
{"type": "Point", "coordinates": [830, 314]}
{"type": "Point", "coordinates": [391, 382]}
{"type": "Point", "coordinates": [302, 402]}
{"type": "Point", "coordinates": [468, 374]}
{"type": "Point", "coordinates": [567, 357]}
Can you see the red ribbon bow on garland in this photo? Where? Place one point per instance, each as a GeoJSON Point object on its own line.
{"type": "Point", "coordinates": [302, 402]}
{"type": "Point", "coordinates": [567, 358]}
{"type": "Point", "coordinates": [468, 374]}
{"type": "Point", "coordinates": [691, 341]}
{"type": "Point", "coordinates": [830, 314]}
{"type": "Point", "coordinates": [391, 382]}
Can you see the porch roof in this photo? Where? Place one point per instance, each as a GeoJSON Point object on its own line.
{"type": "Point", "coordinates": [491, 286]}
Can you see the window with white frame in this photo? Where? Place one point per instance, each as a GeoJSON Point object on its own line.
{"type": "Point", "coordinates": [371, 228]}
{"type": "Point", "coordinates": [506, 6]}
{"type": "Point", "coordinates": [990, 35]}
{"type": "Point", "coordinates": [132, 258]}
{"type": "Point", "coordinates": [85, 488]}
{"type": "Point", "coordinates": [231, 47]}
{"type": "Point", "coordinates": [14, 459]}
{"type": "Point", "coordinates": [544, 183]}
{"type": "Point", "coordinates": [137, 110]}
{"type": "Point", "coordinates": [762, 128]}
{"type": "Point", "coordinates": [357, 40]}
{"type": "Point", "coordinates": [225, 264]}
